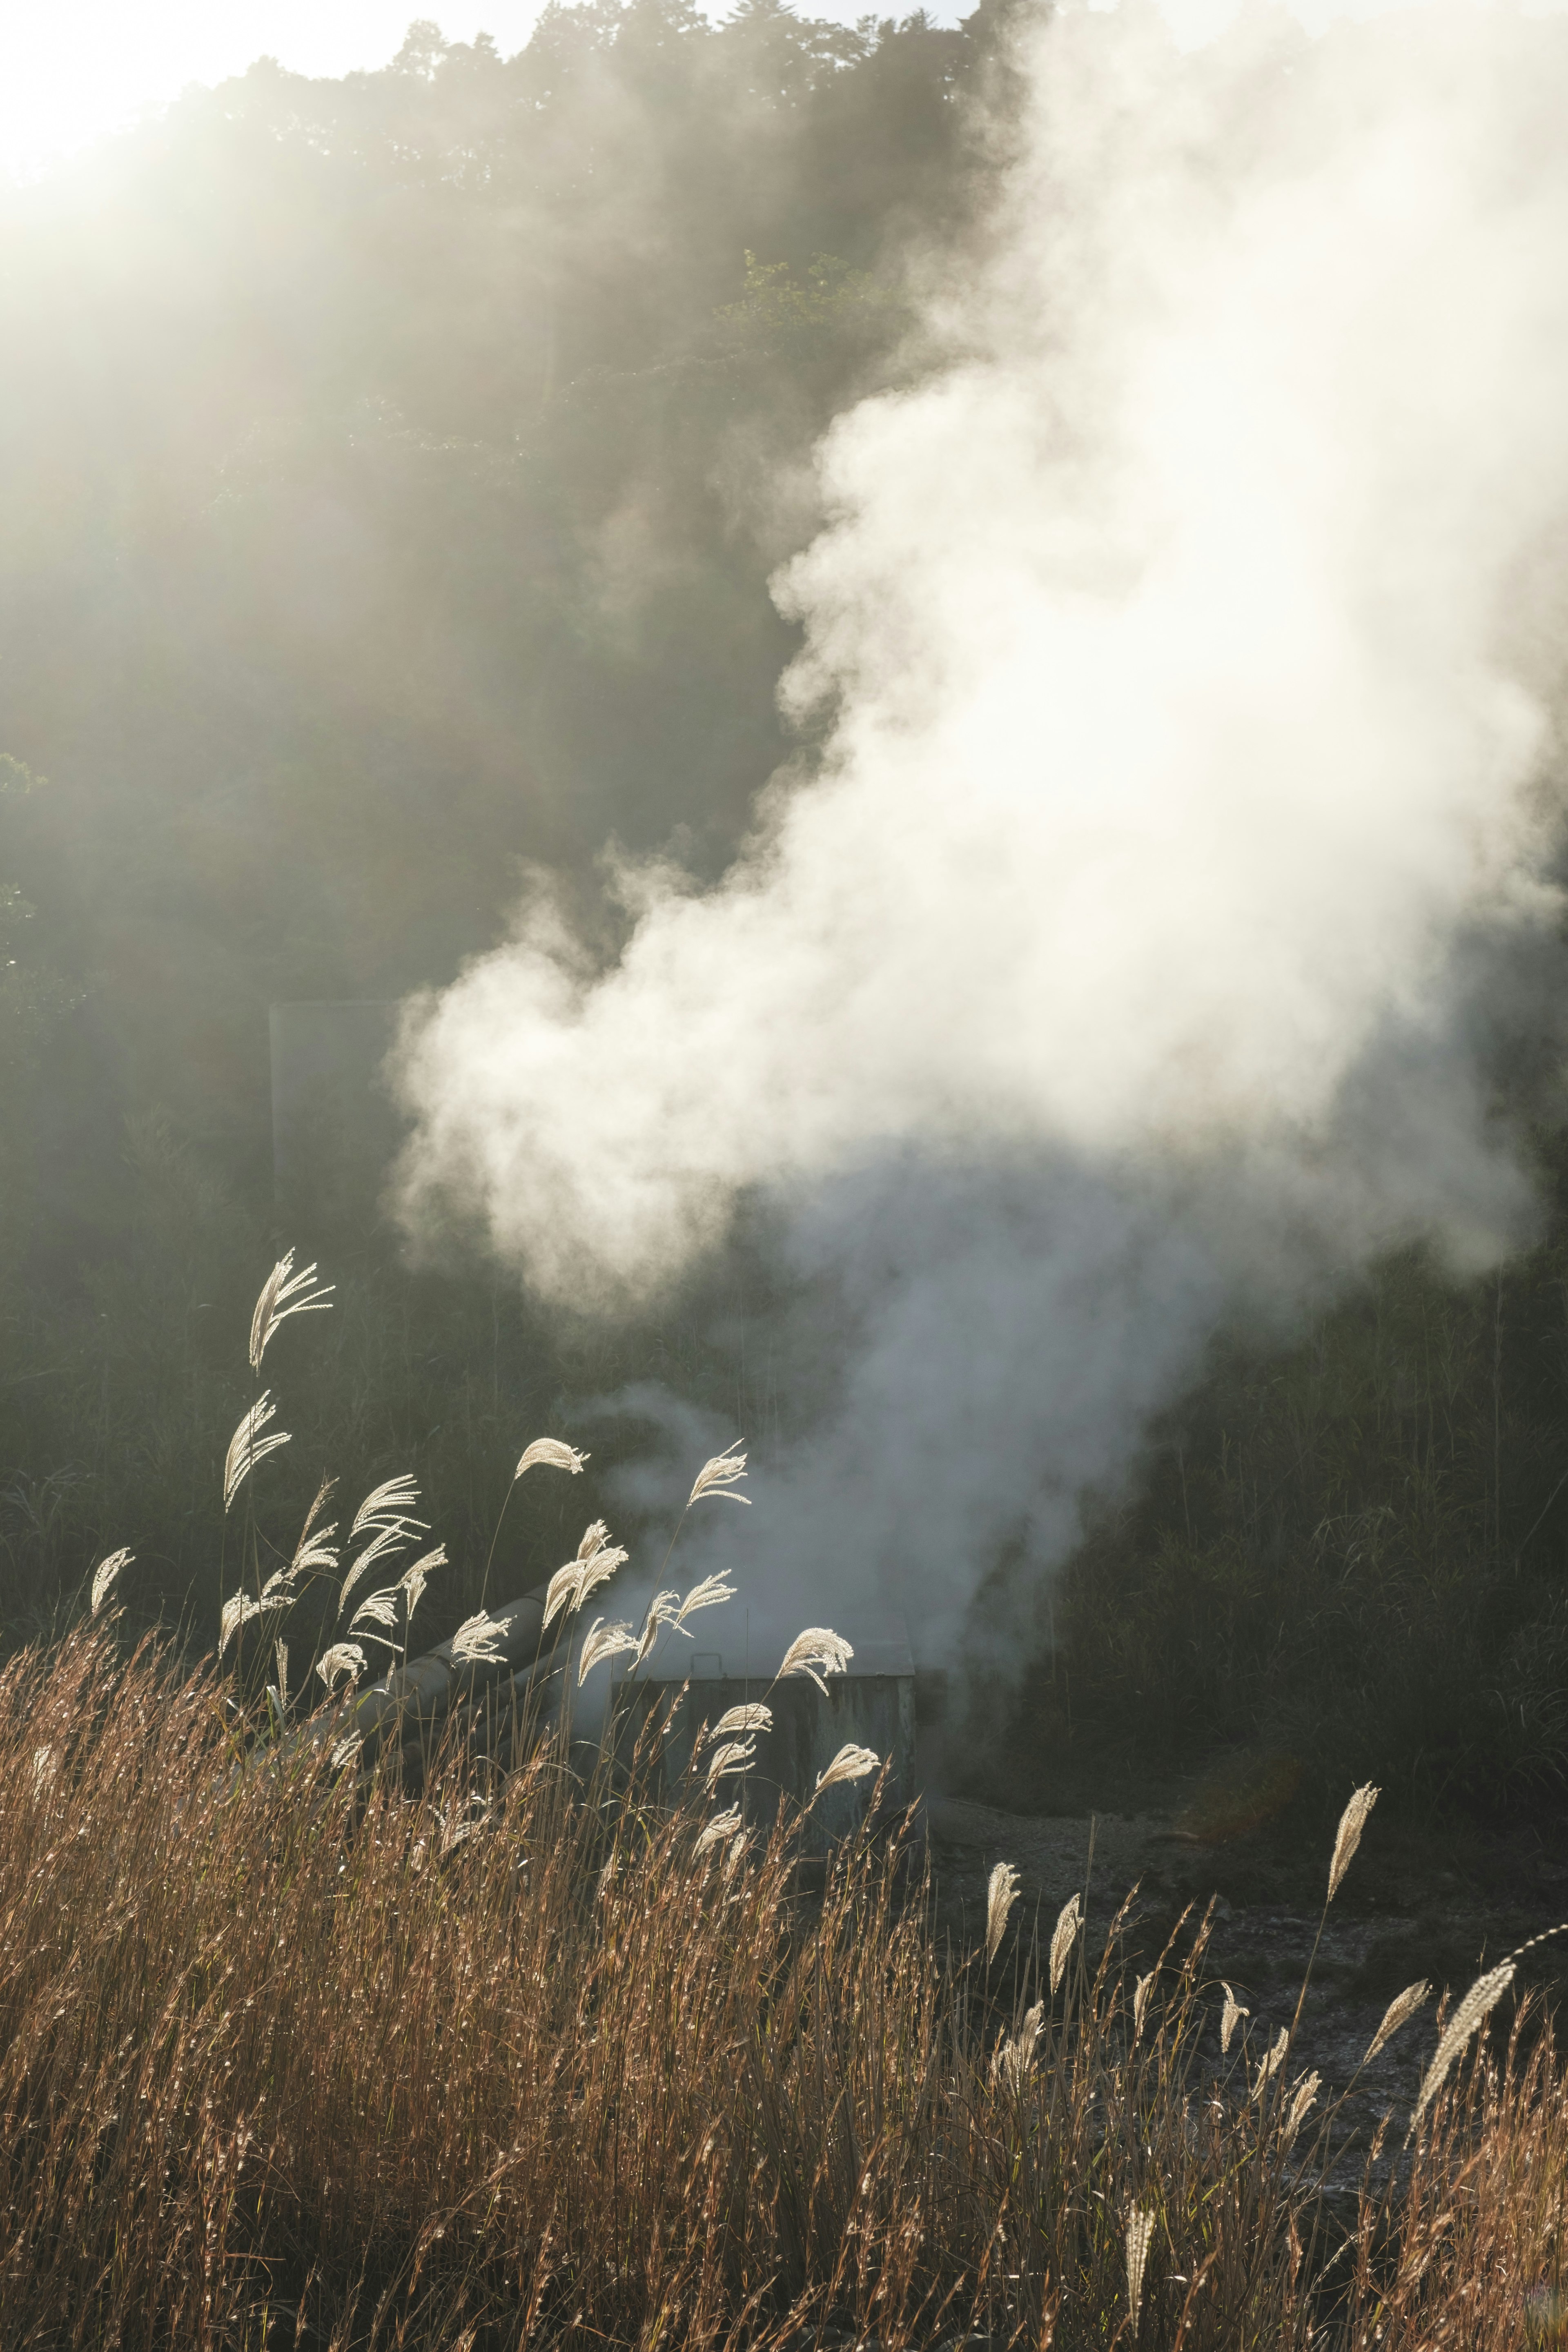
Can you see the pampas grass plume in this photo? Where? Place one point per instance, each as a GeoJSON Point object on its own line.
{"type": "Point", "coordinates": [1011, 2059]}
{"type": "Point", "coordinates": [1270, 2064]}
{"type": "Point", "coordinates": [816, 1651]}
{"type": "Point", "coordinates": [1352, 1821]}
{"type": "Point", "coordinates": [104, 1574]}
{"type": "Point", "coordinates": [719, 1827]}
{"type": "Point", "coordinates": [1001, 1893]}
{"type": "Point", "coordinates": [1063, 1937]}
{"type": "Point", "coordinates": [343, 1658]}
{"type": "Point", "coordinates": [735, 1755]}
{"type": "Point", "coordinates": [247, 1446]}
{"type": "Point", "coordinates": [1400, 2011]}
{"type": "Point", "coordinates": [284, 1292]}
{"type": "Point", "coordinates": [719, 1476]}
{"type": "Point", "coordinates": [1473, 2011]}
{"type": "Point", "coordinates": [706, 1595]}
{"type": "Point", "coordinates": [1230, 2017]}
{"type": "Point", "coordinates": [1140, 2234]}
{"type": "Point", "coordinates": [737, 1721]}
{"type": "Point", "coordinates": [1140, 1992]}
{"type": "Point", "coordinates": [851, 1763]}
{"type": "Point", "coordinates": [551, 1453]}
{"type": "Point", "coordinates": [604, 1642]}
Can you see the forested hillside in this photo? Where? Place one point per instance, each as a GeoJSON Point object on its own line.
{"type": "Point", "coordinates": [392, 471]}
{"type": "Point", "coordinates": [389, 475]}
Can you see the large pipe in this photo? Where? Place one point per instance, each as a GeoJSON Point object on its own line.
{"type": "Point", "coordinates": [406, 1706]}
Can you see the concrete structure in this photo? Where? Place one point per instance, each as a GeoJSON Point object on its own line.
{"type": "Point", "coordinates": [873, 1706]}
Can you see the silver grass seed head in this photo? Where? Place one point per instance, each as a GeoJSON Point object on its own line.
{"type": "Point", "coordinates": [386, 1539]}
{"type": "Point", "coordinates": [1063, 1936]}
{"type": "Point", "coordinates": [720, 1476]}
{"type": "Point", "coordinates": [1270, 2063]}
{"type": "Point", "coordinates": [317, 1555]}
{"type": "Point", "coordinates": [1472, 2012]}
{"type": "Point", "coordinates": [376, 1609]}
{"type": "Point", "coordinates": [1230, 2017]}
{"type": "Point", "coordinates": [738, 1721]}
{"type": "Point", "coordinates": [735, 1755]}
{"type": "Point", "coordinates": [1306, 2090]}
{"type": "Point", "coordinates": [816, 1651]}
{"type": "Point", "coordinates": [559, 1590]}
{"type": "Point", "coordinates": [388, 1505]}
{"type": "Point", "coordinates": [709, 1594]}
{"type": "Point", "coordinates": [604, 1642]}
{"type": "Point", "coordinates": [597, 1570]}
{"type": "Point", "coordinates": [1140, 2236]}
{"type": "Point", "coordinates": [551, 1453]}
{"type": "Point", "coordinates": [1352, 1821]}
{"type": "Point", "coordinates": [478, 1641]}
{"type": "Point", "coordinates": [239, 1610]}
{"type": "Point", "coordinates": [247, 1446]}
{"type": "Point", "coordinates": [1001, 1893]}
{"type": "Point", "coordinates": [653, 1624]}
{"type": "Point", "coordinates": [104, 1575]}
{"type": "Point", "coordinates": [284, 1292]}
{"type": "Point", "coordinates": [1011, 2059]}
{"type": "Point", "coordinates": [571, 1586]}
{"type": "Point", "coordinates": [310, 1531]}
{"type": "Point", "coordinates": [1400, 2011]}
{"type": "Point", "coordinates": [1141, 1993]}
{"type": "Point", "coordinates": [341, 1658]}
{"type": "Point", "coordinates": [718, 1829]}
{"type": "Point", "coordinates": [851, 1763]}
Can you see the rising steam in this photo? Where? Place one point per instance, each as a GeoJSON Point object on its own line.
{"type": "Point", "coordinates": [1188, 734]}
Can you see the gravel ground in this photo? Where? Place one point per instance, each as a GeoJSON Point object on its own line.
{"type": "Point", "coordinates": [1407, 1910]}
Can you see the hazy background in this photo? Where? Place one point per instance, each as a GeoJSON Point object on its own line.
{"type": "Point", "coordinates": [1074, 1086]}
{"type": "Point", "coordinates": [1180, 731]}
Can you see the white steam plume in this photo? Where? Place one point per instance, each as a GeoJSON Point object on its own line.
{"type": "Point", "coordinates": [1188, 733]}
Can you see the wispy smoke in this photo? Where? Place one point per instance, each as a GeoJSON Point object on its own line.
{"type": "Point", "coordinates": [1181, 638]}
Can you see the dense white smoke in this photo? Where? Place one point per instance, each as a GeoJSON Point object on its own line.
{"type": "Point", "coordinates": [1180, 634]}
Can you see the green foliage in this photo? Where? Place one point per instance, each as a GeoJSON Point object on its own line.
{"type": "Point", "coordinates": [780, 311]}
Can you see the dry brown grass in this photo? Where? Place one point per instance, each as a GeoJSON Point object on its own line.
{"type": "Point", "coordinates": [532, 2058]}
{"type": "Point", "coordinates": [1467, 2254]}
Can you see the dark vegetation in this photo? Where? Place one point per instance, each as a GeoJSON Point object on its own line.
{"type": "Point", "coordinates": [392, 473]}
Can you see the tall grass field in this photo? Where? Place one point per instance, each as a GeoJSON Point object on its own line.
{"type": "Point", "coordinates": [536, 2045]}
{"type": "Point", "coordinates": [289, 2056]}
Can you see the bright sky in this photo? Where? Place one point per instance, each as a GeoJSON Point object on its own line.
{"type": "Point", "coordinates": [70, 69]}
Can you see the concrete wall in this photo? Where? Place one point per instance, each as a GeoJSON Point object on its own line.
{"type": "Point", "coordinates": [874, 1709]}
